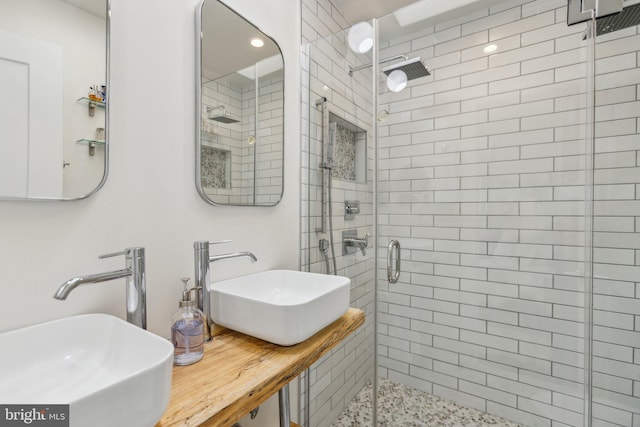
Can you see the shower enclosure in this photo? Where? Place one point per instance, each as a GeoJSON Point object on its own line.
{"type": "Point", "coordinates": [510, 176]}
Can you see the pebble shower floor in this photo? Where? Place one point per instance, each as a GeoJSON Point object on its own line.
{"type": "Point", "coordinates": [402, 406]}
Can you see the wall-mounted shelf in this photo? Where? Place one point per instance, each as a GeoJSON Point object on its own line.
{"type": "Point", "coordinates": [239, 372]}
{"type": "Point", "coordinates": [92, 143]}
{"type": "Point", "coordinates": [92, 104]}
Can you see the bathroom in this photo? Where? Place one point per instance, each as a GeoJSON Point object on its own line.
{"type": "Point", "coordinates": [150, 200]}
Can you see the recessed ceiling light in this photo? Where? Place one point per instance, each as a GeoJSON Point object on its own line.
{"type": "Point", "coordinates": [490, 48]}
{"type": "Point", "coordinates": [257, 42]}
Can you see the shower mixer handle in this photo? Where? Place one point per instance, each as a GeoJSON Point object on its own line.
{"type": "Point", "coordinates": [351, 208]}
{"type": "Point", "coordinates": [364, 241]}
{"type": "Point", "coordinates": [220, 241]}
{"type": "Point", "coordinates": [351, 242]}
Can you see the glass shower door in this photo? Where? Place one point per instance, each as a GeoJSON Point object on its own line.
{"type": "Point", "coordinates": [510, 225]}
{"type": "Point", "coordinates": [338, 172]}
{"type": "Point", "coordinates": [615, 381]}
{"type": "Point", "coordinates": [481, 178]}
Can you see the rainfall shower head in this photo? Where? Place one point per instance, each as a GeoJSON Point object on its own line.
{"type": "Point", "coordinates": [219, 114]}
{"type": "Point", "coordinates": [414, 68]}
{"type": "Point", "coordinates": [400, 73]}
{"type": "Point", "coordinates": [629, 17]}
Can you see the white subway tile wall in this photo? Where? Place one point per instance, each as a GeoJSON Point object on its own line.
{"type": "Point", "coordinates": [481, 180]}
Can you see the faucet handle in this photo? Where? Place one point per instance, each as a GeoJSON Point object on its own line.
{"type": "Point", "coordinates": [112, 254]}
{"type": "Point", "coordinates": [204, 244]}
{"type": "Point", "coordinates": [137, 252]}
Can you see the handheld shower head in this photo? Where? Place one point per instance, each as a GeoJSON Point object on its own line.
{"type": "Point", "coordinates": [414, 68]}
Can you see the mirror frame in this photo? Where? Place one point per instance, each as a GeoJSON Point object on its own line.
{"type": "Point", "coordinates": [106, 127]}
{"type": "Point", "coordinates": [198, 112]}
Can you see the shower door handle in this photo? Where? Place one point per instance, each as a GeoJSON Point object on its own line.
{"type": "Point", "coordinates": [392, 276]}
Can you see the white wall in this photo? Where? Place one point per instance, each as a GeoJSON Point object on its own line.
{"type": "Point", "coordinates": [150, 198]}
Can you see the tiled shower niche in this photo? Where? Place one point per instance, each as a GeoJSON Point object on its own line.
{"type": "Point", "coordinates": [215, 166]}
{"type": "Point", "coordinates": [349, 150]}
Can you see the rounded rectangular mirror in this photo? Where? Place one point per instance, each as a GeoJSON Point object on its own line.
{"type": "Point", "coordinates": [54, 103]}
{"type": "Point", "coordinates": [239, 110]}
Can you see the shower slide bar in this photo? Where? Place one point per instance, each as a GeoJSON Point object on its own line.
{"type": "Point", "coordinates": [325, 164]}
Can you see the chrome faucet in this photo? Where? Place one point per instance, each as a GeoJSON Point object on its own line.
{"type": "Point", "coordinates": [202, 264]}
{"type": "Point", "coordinates": [136, 286]}
{"type": "Point", "coordinates": [353, 241]}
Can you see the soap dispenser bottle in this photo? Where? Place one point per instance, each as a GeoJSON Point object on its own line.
{"type": "Point", "coordinates": [187, 330]}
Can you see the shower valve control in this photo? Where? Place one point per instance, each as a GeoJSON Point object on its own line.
{"type": "Point", "coordinates": [351, 208]}
{"type": "Point", "coordinates": [351, 242]}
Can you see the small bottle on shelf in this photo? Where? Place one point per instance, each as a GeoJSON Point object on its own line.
{"type": "Point", "coordinates": [93, 93]}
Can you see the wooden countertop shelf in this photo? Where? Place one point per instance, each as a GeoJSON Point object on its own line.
{"type": "Point", "coordinates": [239, 372]}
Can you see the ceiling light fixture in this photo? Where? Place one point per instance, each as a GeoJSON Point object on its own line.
{"type": "Point", "coordinates": [361, 37]}
{"type": "Point", "coordinates": [257, 42]}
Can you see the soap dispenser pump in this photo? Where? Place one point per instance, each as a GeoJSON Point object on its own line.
{"type": "Point", "coordinates": [187, 330]}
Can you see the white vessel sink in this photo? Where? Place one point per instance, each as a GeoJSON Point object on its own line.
{"type": "Point", "coordinates": [110, 372]}
{"type": "Point", "coordinates": [280, 306]}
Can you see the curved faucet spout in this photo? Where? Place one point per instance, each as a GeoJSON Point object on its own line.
{"type": "Point", "coordinates": [249, 255]}
{"type": "Point", "coordinates": [65, 289]}
{"type": "Point", "coordinates": [134, 273]}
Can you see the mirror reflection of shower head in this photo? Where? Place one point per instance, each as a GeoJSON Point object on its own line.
{"type": "Point", "coordinates": [219, 114]}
